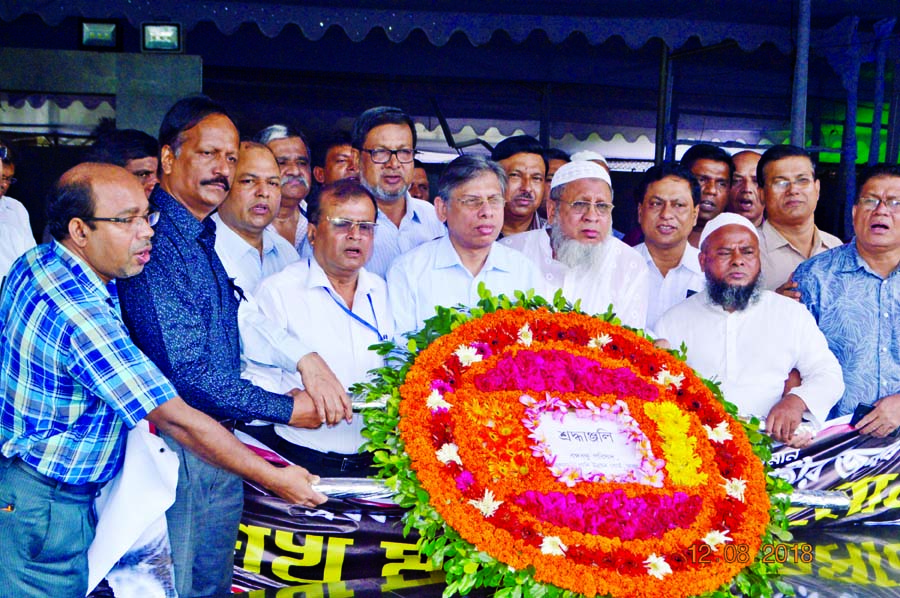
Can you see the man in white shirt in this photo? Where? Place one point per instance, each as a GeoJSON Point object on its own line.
{"type": "Point", "coordinates": [447, 271]}
{"type": "Point", "coordinates": [341, 309]}
{"type": "Point", "coordinates": [386, 140]}
{"type": "Point", "coordinates": [668, 202]}
{"type": "Point", "coordinates": [750, 339]}
{"type": "Point", "coordinates": [578, 253]}
{"type": "Point", "coordinates": [15, 228]}
{"type": "Point", "coordinates": [250, 251]}
{"type": "Point", "coordinates": [292, 155]}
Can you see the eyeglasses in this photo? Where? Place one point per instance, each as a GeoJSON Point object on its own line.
{"type": "Point", "coordinates": [3, 153]}
{"type": "Point", "coordinates": [345, 226]}
{"type": "Point", "coordinates": [383, 155]}
{"type": "Point", "coordinates": [133, 221]}
{"type": "Point", "coordinates": [9, 180]}
{"type": "Point", "coordinates": [870, 204]}
{"type": "Point", "coordinates": [475, 203]}
{"type": "Point", "coordinates": [783, 184]}
{"type": "Point", "coordinates": [582, 207]}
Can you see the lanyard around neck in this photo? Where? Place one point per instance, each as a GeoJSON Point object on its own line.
{"type": "Point", "coordinates": [369, 325]}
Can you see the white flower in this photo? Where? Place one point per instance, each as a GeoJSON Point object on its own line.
{"type": "Point", "coordinates": [436, 401]}
{"type": "Point", "coordinates": [598, 342]}
{"type": "Point", "coordinates": [664, 378]}
{"type": "Point", "coordinates": [657, 566]}
{"type": "Point", "coordinates": [525, 335]}
{"type": "Point", "coordinates": [720, 433]}
{"type": "Point", "coordinates": [715, 537]}
{"type": "Point", "coordinates": [467, 355]}
{"type": "Point", "coordinates": [553, 545]}
{"type": "Point", "coordinates": [735, 488]}
{"type": "Point", "coordinates": [447, 453]}
{"type": "Point", "coordinates": [487, 504]}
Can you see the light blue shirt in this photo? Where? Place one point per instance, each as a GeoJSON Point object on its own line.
{"type": "Point", "coordinates": [419, 224]}
{"type": "Point", "coordinates": [858, 311]}
{"type": "Point", "coordinates": [433, 274]}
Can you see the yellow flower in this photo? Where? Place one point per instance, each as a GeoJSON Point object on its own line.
{"type": "Point", "coordinates": [683, 464]}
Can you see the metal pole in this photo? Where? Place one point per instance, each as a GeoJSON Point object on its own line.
{"type": "Point", "coordinates": [848, 143]}
{"type": "Point", "coordinates": [882, 30]}
{"type": "Point", "coordinates": [664, 102]}
{"type": "Point", "coordinates": [893, 134]}
{"type": "Point", "coordinates": [801, 76]}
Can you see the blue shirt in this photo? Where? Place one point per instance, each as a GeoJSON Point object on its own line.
{"type": "Point", "coordinates": [182, 312]}
{"type": "Point", "coordinates": [858, 311]}
{"type": "Point", "coordinates": [70, 377]}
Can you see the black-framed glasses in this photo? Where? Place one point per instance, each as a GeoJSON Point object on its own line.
{"type": "Point", "coordinates": [383, 155]}
{"type": "Point", "coordinates": [152, 218]}
{"type": "Point", "coordinates": [345, 226]}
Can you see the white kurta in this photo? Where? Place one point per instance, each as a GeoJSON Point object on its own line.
{"type": "Point", "coordinates": [15, 233]}
{"type": "Point", "coordinates": [433, 274]}
{"type": "Point", "coordinates": [298, 301]}
{"type": "Point", "coordinates": [751, 352]}
{"type": "Point", "coordinates": [620, 279]}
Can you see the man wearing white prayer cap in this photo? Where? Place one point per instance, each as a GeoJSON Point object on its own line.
{"type": "Point", "coordinates": [577, 252]}
{"type": "Point", "coordinates": [591, 156]}
{"type": "Point", "coordinates": [749, 339]}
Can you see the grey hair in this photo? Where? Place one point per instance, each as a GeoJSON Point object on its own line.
{"type": "Point", "coordinates": [465, 168]}
{"type": "Point", "coordinates": [279, 131]}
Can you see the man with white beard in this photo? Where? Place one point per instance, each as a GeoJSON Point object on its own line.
{"type": "Point", "coordinates": [578, 253]}
{"type": "Point", "coordinates": [749, 339]}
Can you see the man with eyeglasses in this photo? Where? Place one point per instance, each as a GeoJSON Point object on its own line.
{"type": "Point", "coordinates": [72, 381]}
{"type": "Point", "coordinates": [713, 169]}
{"type": "Point", "coordinates": [668, 198]}
{"type": "Point", "coordinates": [447, 271]}
{"type": "Point", "coordinates": [578, 252]}
{"type": "Point", "coordinates": [15, 227]}
{"type": "Point", "coordinates": [790, 191]}
{"type": "Point", "coordinates": [182, 312]}
{"type": "Point", "coordinates": [385, 138]}
{"type": "Point", "coordinates": [750, 339]}
{"type": "Point", "coordinates": [340, 309]}
{"type": "Point", "coordinates": [293, 157]}
{"type": "Point", "coordinates": [853, 292]}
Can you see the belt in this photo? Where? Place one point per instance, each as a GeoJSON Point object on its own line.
{"type": "Point", "coordinates": [86, 489]}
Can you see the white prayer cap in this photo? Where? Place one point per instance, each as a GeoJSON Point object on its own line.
{"type": "Point", "coordinates": [589, 155]}
{"type": "Point", "coordinates": [724, 219]}
{"type": "Point", "coordinates": [579, 169]}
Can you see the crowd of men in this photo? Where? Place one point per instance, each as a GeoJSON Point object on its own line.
{"type": "Point", "coordinates": [207, 283]}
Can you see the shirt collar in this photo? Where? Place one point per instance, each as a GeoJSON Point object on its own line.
{"type": "Point", "coordinates": [447, 257]}
{"type": "Point", "coordinates": [85, 275]}
{"type": "Point", "coordinates": [689, 259]}
{"type": "Point", "coordinates": [171, 209]}
{"type": "Point", "coordinates": [849, 260]}
{"type": "Point", "coordinates": [317, 278]}
{"type": "Point", "coordinates": [235, 241]}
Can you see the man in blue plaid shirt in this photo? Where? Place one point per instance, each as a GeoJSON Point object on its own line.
{"type": "Point", "coordinates": [71, 381]}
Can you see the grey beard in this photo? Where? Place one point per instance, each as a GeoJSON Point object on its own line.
{"type": "Point", "coordinates": [733, 297]}
{"type": "Point", "coordinates": [574, 254]}
{"type": "Point", "coordinates": [381, 194]}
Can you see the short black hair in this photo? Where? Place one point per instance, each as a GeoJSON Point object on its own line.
{"type": "Point", "coordinates": [343, 189]}
{"type": "Point", "coordinates": [661, 171]}
{"type": "Point", "coordinates": [518, 144]}
{"type": "Point", "coordinates": [554, 153]}
{"type": "Point", "coordinates": [121, 146]}
{"type": "Point", "coordinates": [74, 199]}
{"type": "Point", "coordinates": [875, 171]}
{"type": "Point", "coordinates": [377, 116]}
{"type": "Point", "coordinates": [705, 151]}
{"type": "Point", "coordinates": [184, 115]}
{"type": "Point", "coordinates": [779, 152]}
{"type": "Point", "coordinates": [319, 153]}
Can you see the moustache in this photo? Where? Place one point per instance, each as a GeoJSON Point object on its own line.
{"type": "Point", "coordinates": [294, 178]}
{"type": "Point", "coordinates": [219, 180]}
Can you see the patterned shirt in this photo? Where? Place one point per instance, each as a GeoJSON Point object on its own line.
{"type": "Point", "coordinates": [182, 312]}
{"type": "Point", "coordinates": [858, 311]}
{"type": "Point", "coordinates": [69, 374]}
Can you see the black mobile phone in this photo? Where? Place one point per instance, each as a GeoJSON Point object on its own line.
{"type": "Point", "coordinates": [860, 412]}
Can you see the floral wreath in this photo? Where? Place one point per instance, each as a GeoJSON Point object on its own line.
{"type": "Point", "coordinates": [477, 406]}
